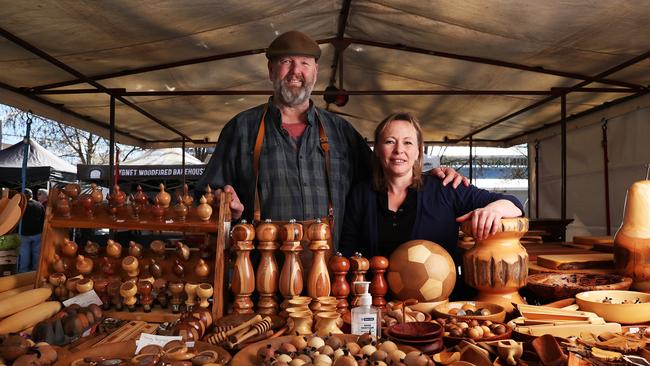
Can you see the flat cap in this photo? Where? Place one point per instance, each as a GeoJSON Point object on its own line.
{"type": "Point", "coordinates": [293, 43]}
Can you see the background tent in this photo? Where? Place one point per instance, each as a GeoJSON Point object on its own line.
{"type": "Point", "coordinates": [42, 166]}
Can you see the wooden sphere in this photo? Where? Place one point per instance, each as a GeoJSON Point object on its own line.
{"type": "Point", "coordinates": [421, 269]}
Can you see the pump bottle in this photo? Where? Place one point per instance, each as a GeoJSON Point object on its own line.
{"type": "Point", "coordinates": [365, 317]}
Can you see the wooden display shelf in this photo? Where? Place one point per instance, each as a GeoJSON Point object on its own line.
{"type": "Point", "coordinates": [156, 315]}
{"type": "Point", "coordinates": [56, 229]}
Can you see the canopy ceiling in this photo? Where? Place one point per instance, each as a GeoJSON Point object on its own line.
{"type": "Point", "coordinates": [503, 60]}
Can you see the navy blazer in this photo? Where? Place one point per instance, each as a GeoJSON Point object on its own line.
{"type": "Point", "coordinates": [437, 209]}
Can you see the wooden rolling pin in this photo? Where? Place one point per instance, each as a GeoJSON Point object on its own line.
{"type": "Point", "coordinates": [17, 280]}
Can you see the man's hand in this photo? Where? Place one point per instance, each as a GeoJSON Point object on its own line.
{"type": "Point", "coordinates": [485, 221]}
{"type": "Point", "coordinates": [236, 207]}
{"type": "Point", "coordinates": [448, 174]}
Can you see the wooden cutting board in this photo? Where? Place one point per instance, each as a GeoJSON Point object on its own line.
{"type": "Point", "coordinates": [576, 261]}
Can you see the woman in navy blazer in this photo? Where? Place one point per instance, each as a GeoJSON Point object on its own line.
{"type": "Point", "coordinates": [401, 204]}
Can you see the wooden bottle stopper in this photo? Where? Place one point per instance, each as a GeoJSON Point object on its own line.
{"type": "Point", "coordinates": [180, 209]}
{"type": "Point", "coordinates": [57, 280]}
{"type": "Point", "coordinates": [86, 202]}
{"type": "Point", "coordinates": [158, 210]}
{"type": "Point", "coordinates": [155, 270]}
{"type": "Point", "coordinates": [163, 197]}
{"type": "Point", "coordinates": [69, 248]}
{"type": "Point", "coordinates": [359, 266]}
{"type": "Point", "coordinates": [378, 285]}
{"type": "Point", "coordinates": [339, 265]}
{"type": "Point", "coordinates": [84, 285]}
{"type": "Point", "coordinates": [113, 249]}
{"type": "Point", "coordinates": [190, 291]}
{"type": "Point", "coordinates": [209, 196]}
{"type": "Point", "coordinates": [96, 194]}
{"type": "Point", "coordinates": [135, 249]}
{"type": "Point", "coordinates": [71, 285]}
{"type": "Point", "coordinates": [204, 210]}
{"type": "Point", "coordinates": [58, 265]}
{"type": "Point", "coordinates": [62, 205]}
{"type": "Point", "coordinates": [128, 290]}
{"type": "Point", "coordinates": [140, 197]}
{"type": "Point", "coordinates": [318, 280]}
{"type": "Point", "coordinates": [160, 288]}
{"type": "Point", "coordinates": [291, 282]}
{"type": "Point", "coordinates": [204, 292]}
{"type": "Point", "coordinates": [114, 293]}
{"type": "Point", "coordinates": [158, 248]}
{"type": "Point", "coordinates": [118, 197]}
{"type": "Point", "coordinates": [267, 270]}
{"type": "Point", "coordinates": [130, 266]}
{"type": "Point", "coordinates": [176, 289]}
{"type": "Point", "coordinates": [84, 265]}
{"type": "Point", "coordinates": [243, 277]}
{"type": "Point", "coordinates": [202, 270]}
{"type": "Point", "coordinates": [144, 290]}
{"type": "Point", "coordinates": [182, 251]}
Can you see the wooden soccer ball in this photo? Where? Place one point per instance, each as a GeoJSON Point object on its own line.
{"type": "Point", "coordinates": [421, 269]}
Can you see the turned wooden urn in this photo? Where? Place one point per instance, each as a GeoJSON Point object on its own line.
{"type": "Point", "coordinates": [498, 266]}
{"type": "Point", "coordinates": [632, 240]}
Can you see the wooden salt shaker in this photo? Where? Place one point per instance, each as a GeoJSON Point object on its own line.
{"type": "Point", "coordinates": [318, 280]}
{"type": "Point", "coordinates": [378, 285]}
{"type": "Point", "coordinates": [176, 289]}
{"type": "Point", "coordinates": [359, 266]}
{"type": "Point", "coordinates": [268, 270]}
{"type": "Point", "coordinates": [291, 282]}
{"type": "Point", "coordinates": [190, 290]}
{"type": "Point", "coordinates": [339, 265]}
{"type": "Point", "coordinates": [243, 277]}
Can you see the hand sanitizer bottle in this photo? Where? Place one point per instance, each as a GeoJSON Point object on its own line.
{"type": "Point", "coordinates": [365, 317]}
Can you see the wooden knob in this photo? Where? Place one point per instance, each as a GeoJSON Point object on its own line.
{"type": "Point", "coordinates": [266, 231]}
{"type": "Point", "coordinates": [338, 263]}
{"type": "Point", "coordinates": [291, 231]}
{"type": "Point", "coordinates": [243, 232]}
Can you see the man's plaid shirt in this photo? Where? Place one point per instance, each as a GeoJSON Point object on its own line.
{"type": "Point", "coordinates": [292, 181]}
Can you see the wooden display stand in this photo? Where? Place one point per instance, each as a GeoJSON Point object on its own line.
{"type": "Point", "coordinates": [57, 228]}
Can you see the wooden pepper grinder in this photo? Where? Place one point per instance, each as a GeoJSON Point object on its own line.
{"type": "Point", "coordinates": [268, 270]}
{"type": "Point", "coordinates": [291, 282]}
{"type": "Point", "coordinates": [339, 265]}
{"type": "Point", "coordinates": [160, 287]}
{"type": "Point", "coordinates": [190, 290]}
{"type": "Point", "coordinates": [318, 280]}
{"type": "Point", "coordinates": [114, 293]}
{"type": "Point", "coordinates": [128, 290]}
{"type": "Point", "coordinates": [359, 266]}
{"type": "Point", "coordinates": [176, 289]}
{"type": "Point", "coordinates": [101, 288]}
{"type": "Point", "coordinates": [378, 285]}
{"type": "Point", "coordinates": [144, 289]}
{"type": "Point", "coordinates": [243, 277]}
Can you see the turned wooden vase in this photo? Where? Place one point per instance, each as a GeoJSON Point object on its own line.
{"type": "Point", "coordinates": [498, 266]}
{"type": "Point", "coordinates": [632, 240]}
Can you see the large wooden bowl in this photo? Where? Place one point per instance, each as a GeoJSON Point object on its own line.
{"type": "Point", "coordinates": [620, 313]}
{"type": "Point", "coordinates": [126, 350]}
{"type": "Point", "coordinates": [416, 330]}
{"type": "Point", "coordinates": [557, 286]}
{"type": "Point", "coordinates": [498, 313]}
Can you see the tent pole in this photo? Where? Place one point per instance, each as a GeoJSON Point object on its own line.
{"type": "Point", "coordinates": [183, 155]}
{"type": "Point", "coordinates": [564, 162]}
{"type": "Point", "coordinates": [537, 179]}
{"type": "Point", "coordinates": [23, 172]}
{"type": "Point", "coordinates": [471, 159]}
{"type": "Point", "coordinates": [606, 176]}
{"type": "Point", "coordinates": [111, 146]}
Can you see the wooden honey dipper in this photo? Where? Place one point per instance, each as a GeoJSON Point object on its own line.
{"type": "Point", "coordinates": [256, 329]}
{"type": "Point", "coordinates": [216, 338]}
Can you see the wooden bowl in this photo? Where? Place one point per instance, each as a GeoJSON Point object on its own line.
{"type": "Point", "coordinates": [452, 341]}
{"type": "Point", "coordinates": [557, 286]}
{"type": "Point", "coordinates": [498, 312]}
{"type": "Point", "coordinates": [427, 306]}
{"type": "Point", "coordinates": [620, 313]}
{"type": "Point", "coordinates": [415, 330]}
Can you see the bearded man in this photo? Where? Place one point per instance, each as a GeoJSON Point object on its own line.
{"type": "Point", "coordinates": [288, 159]}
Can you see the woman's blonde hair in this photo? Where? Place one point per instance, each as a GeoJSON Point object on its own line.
{"type": "Point", "coordinates": [378, 179]}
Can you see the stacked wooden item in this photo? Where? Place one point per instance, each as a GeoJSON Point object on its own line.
{"type": "Point", "coordinates": [539, 320]}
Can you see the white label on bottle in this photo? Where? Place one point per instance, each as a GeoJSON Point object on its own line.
{"type": "Point", "coordinates": [367, 324]}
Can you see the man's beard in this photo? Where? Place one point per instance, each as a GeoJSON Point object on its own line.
{"type": "Point", "coordinates": [290, 96]}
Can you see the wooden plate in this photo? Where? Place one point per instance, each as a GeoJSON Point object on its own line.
{"type": "Point", "coordinates": [247, 356]}
{"type": "Point", "coordinates": [126, 350]}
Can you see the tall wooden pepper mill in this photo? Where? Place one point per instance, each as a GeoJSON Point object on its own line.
{"type": "Point", "coordinates": [243, 276]}
{"type": "Point", "coordinates": [339, 265]}
{"type": "Point", "coordinates": [378, 285]}
{"type": "Point", "coordinates": [318, 281]}
{"type": "Point", "coordinates": [359, 266]}
{"type": "Point", "coordinates": [268, 270]}
{"type": "Point", "coordinates": [291, 276]}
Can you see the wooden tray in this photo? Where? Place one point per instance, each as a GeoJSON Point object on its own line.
{"type": "Point", "coordinates": [247, 356]}
{"type": "Point", "coordinates": [576, 261]}
{"type": "Point", "coordinates": [126, 350]}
